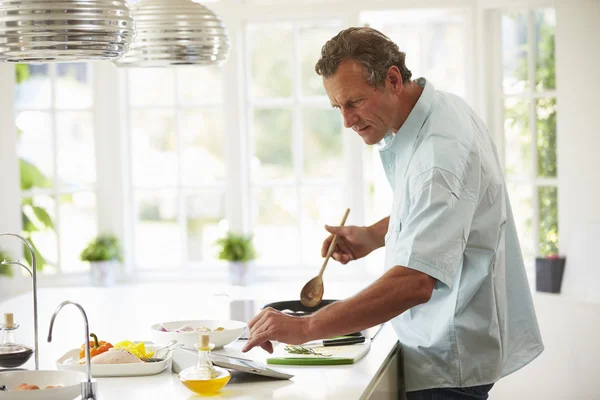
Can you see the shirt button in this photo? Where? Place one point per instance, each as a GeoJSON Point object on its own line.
{"type": "Point", "coordinates": [389, 165]}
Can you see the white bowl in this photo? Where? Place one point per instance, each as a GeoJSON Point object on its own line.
{"type": "Point", "coordinates": [70, 380]}
{"type": "Point", "coordinates": [233, 330]}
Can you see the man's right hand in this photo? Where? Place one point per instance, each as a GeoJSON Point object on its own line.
{"type": "Point", "coordinates": [353, 242]}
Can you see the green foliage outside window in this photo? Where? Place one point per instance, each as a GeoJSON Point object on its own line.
{"type": "Point", "coordinates": [546, 133]}
{"type": "Point", "coordinates": [34, 218]}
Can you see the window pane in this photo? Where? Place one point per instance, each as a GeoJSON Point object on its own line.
{"type": "Point", "coordinates": [514, 52]}
{"type": "Point", "coordinates": [206, 213]}
{"type": "Point", "coordinates": [78, 225]}
{"type": "Point", "coordinates": [517, 138]}
{"type": "Point", "coordinates": [548, 203]}
{"type": "Point", "coordinates": [433, 40]}
{"type": "Point", "coordinates": [320, 206]}
{"type": "Point", "coordinates": [151, 86]}
{"type": "Point", "coordinates": [76, 159]}
{"type": "Point", "coordinates": [546, 137]}
{"type": "Point", "coordinates": [73, 85]}
{"type": "Point", "coordinates": [158, 241]}
{"type": "Point", "coordinates": [33, 86]}
{"type": "Point", "coordinates": [202, 146]}
{"type": "Point", "coordinates": [323, 147]}
{"type": "Point", "coordinates": [545, 21]}
{"type": "Point", "coordinates": [271, 52]}
{"type": "Point", "coordinates": [199, 85]}
{"type": "Point", "coordinates": [272, 144]}
{"type": "Point", "coordinates": [35, 148]}
{"type": "Point", "coordinates": [39, 215]}
{"type": "Point", "coordinates": [276, 235]}
{"type": "Point", "coordinates": [522, 205]}
{"type": "Point", "coordinates": [311, 38]}
{"type": "Point", "coordinates": [154, 148]}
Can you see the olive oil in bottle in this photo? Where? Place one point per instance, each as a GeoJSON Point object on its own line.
{"type": "Point", "coordinates": [204, 379]}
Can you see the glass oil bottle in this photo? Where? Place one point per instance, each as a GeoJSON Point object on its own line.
{"type": "Point", "coordinates": [204, 379]}
{"type": "Point", "coordinates": [12, 354]}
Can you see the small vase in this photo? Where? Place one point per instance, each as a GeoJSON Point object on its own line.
{"type": "Point", "coordinates": [239, 273]}
{"type": "Point", "coordinates": [103, 272]}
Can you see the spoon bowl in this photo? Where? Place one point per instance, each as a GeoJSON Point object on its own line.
{"type": "Point", "coordinates": [312, 293]}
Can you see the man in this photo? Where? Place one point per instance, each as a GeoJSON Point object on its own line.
{"type": "Point", "coordinates": [455, 288]}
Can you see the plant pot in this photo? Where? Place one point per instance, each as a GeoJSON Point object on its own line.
{"type": "Point", "coordinates": [549, 274]}
{"type": "Point", "coordinates": [240, 273]}
{"type": "Point", "coordinates": [103, 272]}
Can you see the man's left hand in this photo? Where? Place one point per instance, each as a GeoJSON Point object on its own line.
{"type": "Point", "coordinates": [271, 324]}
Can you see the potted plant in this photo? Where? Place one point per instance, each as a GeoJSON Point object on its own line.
{"type": "Point", "coordinates": [239, 251]}
{"type": "Point", "coordinates": [104, 255]}
{"type": "Point", "coordinates": [549, 273]}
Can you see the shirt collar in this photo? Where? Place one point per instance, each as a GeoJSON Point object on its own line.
{"type": "Point", "coordinates": [414, 122]}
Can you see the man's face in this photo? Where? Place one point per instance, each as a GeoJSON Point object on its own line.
{"type": "Point", "coordinates": [365, 109]}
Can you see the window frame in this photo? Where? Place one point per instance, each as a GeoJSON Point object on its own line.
{"type": "Point", "coordinates": [113, 191]}
{"type": "Point", "coordinates": [496, 106]}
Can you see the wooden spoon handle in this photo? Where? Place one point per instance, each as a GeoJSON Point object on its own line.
{"type": "Point", "coordinates": [332, 244]}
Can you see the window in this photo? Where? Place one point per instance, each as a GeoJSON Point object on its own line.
{"type": "Point", "coordinates": [54, 119]}
{"type": "Point", "coordinates": [434, 43]}
{"type": "Point", "coordinates": [529, 139]}
{"type": "Point", "coordinates": [177, 147]}
{"type": "Point", "coordinates": [296, 144]}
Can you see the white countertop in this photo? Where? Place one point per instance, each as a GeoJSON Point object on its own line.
{"type": "Point", "coordinates": [127, 312]}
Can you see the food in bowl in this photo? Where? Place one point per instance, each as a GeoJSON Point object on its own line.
{"type": "Point", "coordinates": [40, 384]}
{"type": "Point", "coordinates": [187, 328]}
{"type": "Point", "coordinates": [26, 386]}
{"type": "Point", "coordinates": [221, 332]}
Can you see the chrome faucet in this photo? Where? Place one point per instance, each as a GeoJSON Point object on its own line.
{"type": "Point", "coordinates": [89, 387]}
{"type": "Point", "coordinates": [33, 274]}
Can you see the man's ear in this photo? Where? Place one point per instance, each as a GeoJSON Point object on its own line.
{"type": "Point", "coordinates": [394, 78]}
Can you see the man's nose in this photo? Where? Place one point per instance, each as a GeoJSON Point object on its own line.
{"type": "Point", "coordinates": [349, 118]}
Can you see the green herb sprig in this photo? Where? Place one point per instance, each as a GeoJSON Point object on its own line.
{"type": "Point", "coordinates": [292, 349]}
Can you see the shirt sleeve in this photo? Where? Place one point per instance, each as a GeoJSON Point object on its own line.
{"type": "Point", "coordinates": [434, 233]}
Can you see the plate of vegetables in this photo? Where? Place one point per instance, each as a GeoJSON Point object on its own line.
{"type": "Point", "coordinates": [125, 358]}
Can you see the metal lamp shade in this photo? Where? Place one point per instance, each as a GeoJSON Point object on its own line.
{"type": "Point", "coordinates": [64, 30]}
{"type": "Point", "coordinates": [176, 32]}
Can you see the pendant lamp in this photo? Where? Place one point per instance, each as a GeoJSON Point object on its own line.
{"type": "Point", "coordinates": [64, 30]}
{"type": "Point", "coordinates": [176, 32]}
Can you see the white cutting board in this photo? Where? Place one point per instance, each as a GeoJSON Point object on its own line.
{"type": "Point", "coordinates": [339, 355]}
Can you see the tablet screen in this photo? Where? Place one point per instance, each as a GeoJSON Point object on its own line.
{"type": "Point", "coordinates": [252, 367]}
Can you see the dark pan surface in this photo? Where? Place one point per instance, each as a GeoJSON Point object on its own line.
{"type": "Point", "coordinates": [295, 307]}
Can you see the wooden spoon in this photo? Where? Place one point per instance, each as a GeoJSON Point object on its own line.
{"type": "Point", "coordinates": [312, 293]}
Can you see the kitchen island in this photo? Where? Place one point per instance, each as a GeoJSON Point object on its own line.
{"type": "Point", "coordinates": [127, 312]}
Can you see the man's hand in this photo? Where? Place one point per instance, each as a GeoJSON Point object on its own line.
{"type": "Point", "coordinates": [353, 242]}
{"type": "Point", "coordinates": [271, 324]}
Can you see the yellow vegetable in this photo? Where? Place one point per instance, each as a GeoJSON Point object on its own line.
{"type": "Point", "coordinates": [137, 349]}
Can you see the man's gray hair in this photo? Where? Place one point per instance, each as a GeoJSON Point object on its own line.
{"type": "Point", "coordinates": [371, 48]}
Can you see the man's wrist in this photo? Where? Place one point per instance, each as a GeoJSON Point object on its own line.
{"type": "Point", "coordinates": [310, 327]}
{"type": "Point", "coordinates": [377, 232]}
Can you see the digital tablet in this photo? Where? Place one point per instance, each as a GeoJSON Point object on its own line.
{"type": "Point", "coordinates": [251, 367]}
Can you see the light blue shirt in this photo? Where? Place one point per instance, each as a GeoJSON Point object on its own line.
{"type": "Point", "coordinates": [451, 219]}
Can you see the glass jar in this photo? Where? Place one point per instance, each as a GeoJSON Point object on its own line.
{"type": "Point", "coordinates": [204, 378]}
{"type": "Point", "coordinates": [12, 354]}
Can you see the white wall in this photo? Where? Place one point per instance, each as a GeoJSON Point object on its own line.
{"type": "Point", "coordinates": [570, 328]}
{"type": "Point", "coordinates": [578, 127]}
{"type": "Point", "coordinates": [567, 369]}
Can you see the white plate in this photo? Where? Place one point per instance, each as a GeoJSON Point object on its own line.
{"type": "Point", "coordinates": [70, 362]}
{"type": "Point", "coordinates": [233, 330]}
{"type": "Point", "coordinates": [70, 380]}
